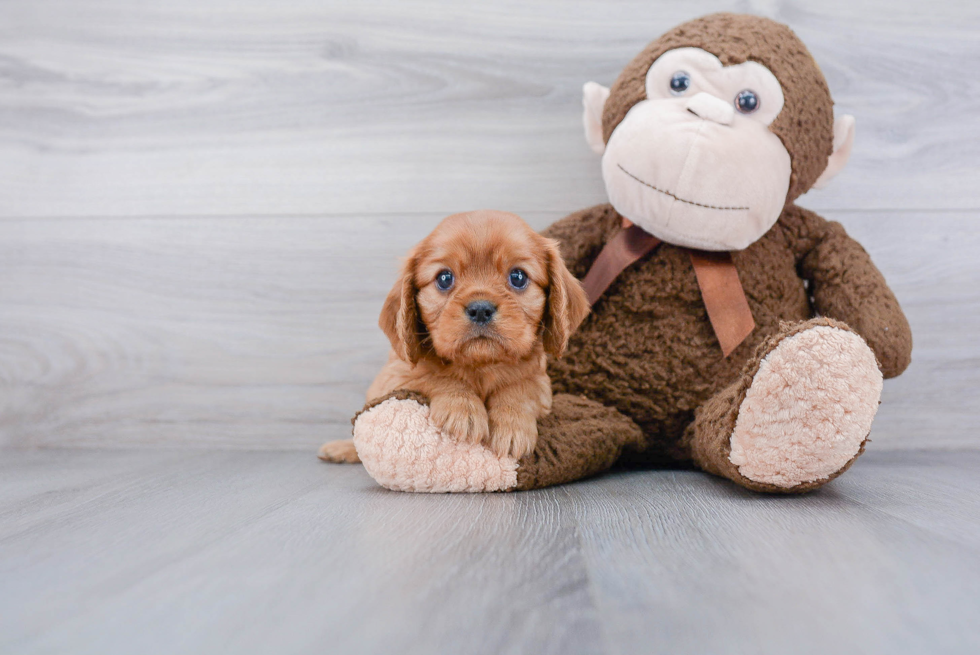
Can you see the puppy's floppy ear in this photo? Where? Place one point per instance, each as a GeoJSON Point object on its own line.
{"type": "Point", "coordinates": [400, 315]}
{"type": "Point", "coordinates": [567, 304]}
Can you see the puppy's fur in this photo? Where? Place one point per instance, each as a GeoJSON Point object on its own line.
{"type": "Point", "coordinates": [485, 382]}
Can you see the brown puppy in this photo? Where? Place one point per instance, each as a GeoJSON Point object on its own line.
{"type": "Point", "coordinates": [479, 303]}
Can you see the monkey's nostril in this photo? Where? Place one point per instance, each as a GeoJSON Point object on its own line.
{"type": "Point", "coordinates": [481, 311]}
{"type": "Point", "coordinates": [711, 108]}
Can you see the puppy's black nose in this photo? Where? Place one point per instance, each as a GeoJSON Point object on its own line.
{"type": "Point", "coordinates": [481, 311]}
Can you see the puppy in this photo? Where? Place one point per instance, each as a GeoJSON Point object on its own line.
{"type": "Point", "coordinates": [479, 303]}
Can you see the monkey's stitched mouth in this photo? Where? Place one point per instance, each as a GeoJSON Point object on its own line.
{"type": "Point", "coordinates": [668, 193]}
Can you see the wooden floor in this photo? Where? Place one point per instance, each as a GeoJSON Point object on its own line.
{"type": "Point", "coordinates": [173, 551]}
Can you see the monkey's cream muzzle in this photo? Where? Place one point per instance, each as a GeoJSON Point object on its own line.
{"type": "Point", "coordinates": [696, 182]}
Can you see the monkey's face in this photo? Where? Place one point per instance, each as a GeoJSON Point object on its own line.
{"type": "Point", "coordinates": [695, 163]}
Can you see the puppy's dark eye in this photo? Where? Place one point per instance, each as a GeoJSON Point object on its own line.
{"type": "Point", "coordinates": [445, 280]}
{"type": "Point", "coordinates": [519, 279]}
{"type": "Point", "coordinates": [747, 101]}
{"type": "Point", "coordinates": [679, 82]}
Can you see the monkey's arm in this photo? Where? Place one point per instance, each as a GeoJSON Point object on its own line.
{"type": "Point", "coordinates": [846, 285]}
{"type": "Point", "coordinates": [582, 235]}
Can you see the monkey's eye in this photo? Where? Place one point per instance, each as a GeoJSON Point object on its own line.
{"type": "Point", "coordinates": [747, 101]}
{"type": "Point", "coordinates": [445, 280]}
{"type": "Point", "coordinates": [519, 279]}
{"type": "Point", "coordinates": [679, 82]}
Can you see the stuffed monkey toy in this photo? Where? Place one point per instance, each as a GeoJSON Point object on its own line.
{"type": "Point", "coordinates": [731, 330]}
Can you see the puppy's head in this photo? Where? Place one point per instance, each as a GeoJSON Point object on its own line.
{"type": "Point", "coordinates": [483, 287]}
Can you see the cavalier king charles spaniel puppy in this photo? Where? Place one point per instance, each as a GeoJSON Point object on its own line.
{"type": "Point", "coordinates": [478, 305]}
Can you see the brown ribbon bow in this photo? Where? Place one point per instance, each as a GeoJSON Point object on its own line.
{"type": "Point", "coordinates": [721, 290]}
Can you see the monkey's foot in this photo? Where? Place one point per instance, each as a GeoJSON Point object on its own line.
{"type": "Point", "coordinates": [404, 451]}
{"type": "Point", "coordinates": [809, 407]}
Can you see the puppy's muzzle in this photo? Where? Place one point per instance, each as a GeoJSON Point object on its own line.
{"type": "Point", "coordinates": [481, 311]}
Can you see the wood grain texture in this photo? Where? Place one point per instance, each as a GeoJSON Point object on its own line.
{"type": "Point", "coordinates": [202, 552]}
{"type": "Point", "coordinates": [194, 107]}
{"type": "Point", "coordinates": [260, 333]}
{"type": "Point", "coordinates": [736, 572]}
{"type": "Point", "coordinates": [202, 203]}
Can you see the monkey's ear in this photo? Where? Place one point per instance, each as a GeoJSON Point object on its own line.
{"type": "Point", "coordinates": [567, 304]}
{"type": "Point", "coordinates": [400, 316]}
{"type": "Point", "coordinates": [843, 142]}
{"type": "Point", "coordinates": [593, 100]}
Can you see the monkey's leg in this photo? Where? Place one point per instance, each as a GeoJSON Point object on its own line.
{"type": "Point", "coordinates": [799, 415]}
{"type": "Point", "coordinates": [401, 448]}
{"type": "Point", "coordinates": [579, 438]}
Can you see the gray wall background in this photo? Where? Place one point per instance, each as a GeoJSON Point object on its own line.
{"type": "Point", "coordinates": [202, 203]}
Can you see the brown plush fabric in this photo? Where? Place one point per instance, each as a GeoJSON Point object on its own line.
{"type": "Point", "coordinates": [708, 438]}
{"type": "Point", "coordinates": [845, 284]}
{"type": "Point", "coordinates": [648, 348]}
{"type": "Point", "coordinates": [577, 439]}
{"type": "Point", "coordinates": [805, 125]}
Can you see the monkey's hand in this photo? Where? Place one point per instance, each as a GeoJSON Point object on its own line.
{"type": "Point", "coordinates": [846, 285]}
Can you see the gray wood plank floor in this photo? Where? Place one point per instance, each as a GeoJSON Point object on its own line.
{"type": "Point", "coordinates": [202, 552]}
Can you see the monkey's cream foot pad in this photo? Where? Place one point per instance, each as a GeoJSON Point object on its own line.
{"type": "Point", "coordinates": [809, 408]}
{"type": "Point", "coordinates": [403, 451]}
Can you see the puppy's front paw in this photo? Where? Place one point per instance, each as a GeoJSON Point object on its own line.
{"type": "Point", "coordinates": [462, 417]}
{"type": "Point", "coordinates": [512, 433]}
{"type": "Point", "coordinates": [341, 451]}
